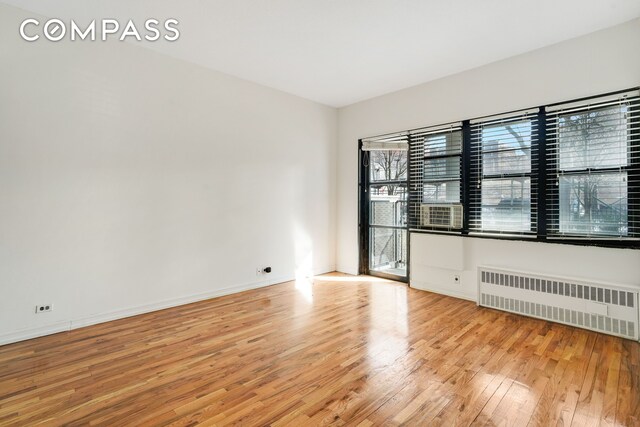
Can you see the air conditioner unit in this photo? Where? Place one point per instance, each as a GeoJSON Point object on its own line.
{"type": "Point", "coordinates": [442, 216]}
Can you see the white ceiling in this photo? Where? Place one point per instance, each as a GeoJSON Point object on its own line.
{"type": "Point", "coordinates": [338, 52]}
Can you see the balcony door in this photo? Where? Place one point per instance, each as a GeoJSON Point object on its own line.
{"type": "Point", "coordinates": [383, 211]}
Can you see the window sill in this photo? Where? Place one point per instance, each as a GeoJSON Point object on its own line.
{"type": "Point", "coordinates": [626, 243]}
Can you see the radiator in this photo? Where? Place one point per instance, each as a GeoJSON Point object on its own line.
{"type": "Point", "coordinates": [611, 309]}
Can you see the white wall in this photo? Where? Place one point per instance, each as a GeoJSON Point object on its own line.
{"type": "Point", "coordinates": [597, 63]}
{"type": "Point", "coordinates": [605, 265]}
{"type": "Point", "coordinates": [131, 181]}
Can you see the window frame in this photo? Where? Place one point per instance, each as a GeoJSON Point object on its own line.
{"type": "Point", "coordinates": [364, 210]}
{"type": "Point", "coordinates": [631, 169]}
{"type": "Point", "coordinates": [540, 175]}
{"type": "Point", "coordinates": [478, 176]}
{"type": "Point", "coordinates": [419, 160]}
{"type": "Point", "coordinates": [444, 157]}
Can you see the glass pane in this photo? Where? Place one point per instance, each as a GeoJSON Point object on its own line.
{"type": "Point", "coordinates": [506, 204]}
{"type": "Point", "coordinates": [388, 205]}
{"type": "Point", "coordinates": [442, 168]}
{"type": "Point", "coordinates": [594, 204]}
{"type": "Point", "coordinates": [443, 143]}
{"type": "Point", "coordinates": [593, 139]}
{"type": "Point", "coordinates": [388, 165]}
{"type": "Point", "coordinates": [441, 192]}
{"type": "Point", "coordinates": [388, 251]}
{"type": "Point", "coordinates": [507, 136]}
{"type": "Point", "coordinates": [505, 162]}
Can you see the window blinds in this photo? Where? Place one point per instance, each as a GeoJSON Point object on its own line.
{"type": "Point", "coordinates": [563, 171]}
{"type": "Point", "coordinates": [397, 142]}
{"type": "Point", "coordinates": [435, 156]}
{"type": "Point", "coordinates": [593, 156]}
{"type": "Point", "coordinates": [503, 167]}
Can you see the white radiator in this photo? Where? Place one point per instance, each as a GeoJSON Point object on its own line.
{"type": "Point", "coordinates": [611, 309]}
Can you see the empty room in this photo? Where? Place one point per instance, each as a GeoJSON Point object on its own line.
{"type": "Point", "coordinates": [320, 212]}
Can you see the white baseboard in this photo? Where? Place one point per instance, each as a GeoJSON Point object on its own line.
{"type": "Point", "coordinates": [40, 331]}
{"type": "Point", "coordinates": [427, 287]}
{"type": "Point", "coordinates": [71, 324]}
{"type": "Point", "coordinates": [161, 305]}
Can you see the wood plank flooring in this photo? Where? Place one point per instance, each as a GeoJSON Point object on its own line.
{"type": "Point", "coordinates": [338, 350]}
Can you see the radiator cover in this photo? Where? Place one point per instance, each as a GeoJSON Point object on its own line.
{"type": "Point", "coordinates": [606, 308]}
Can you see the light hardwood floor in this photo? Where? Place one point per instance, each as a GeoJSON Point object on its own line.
{"type": "Point", "coordinates": [340, 350]}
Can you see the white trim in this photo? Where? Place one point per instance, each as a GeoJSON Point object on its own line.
{"type": "Point", "coordinates": [422, 286]}
{"type": "Point", "coordinates": [26, 334]}
{"type": "Point", "coordinates": [161, 305]}
{"type": "Point", "coordinates": [71, 324]}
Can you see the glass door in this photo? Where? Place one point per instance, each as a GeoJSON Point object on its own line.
{"type": "Point", "coordinates": [383, 213]}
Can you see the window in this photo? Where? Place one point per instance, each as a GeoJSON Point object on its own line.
{"type": "Point", "coordinates": [566, 171]}
{"type": "Point", "coordinates": [502, 167]}
{"type": "Point", "coordinates": [435, 159]}
{"type": "Point", "coordinates": [592, 151]}
{"type": "Point", "coordinates": [388, 165]}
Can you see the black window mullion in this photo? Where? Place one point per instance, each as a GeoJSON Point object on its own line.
{"type": "Point", "coordinates": [399, 182]}
{"type": "Point", "coordinates": [415, 182]}
{"type": "Point", "coordinates": [586, 171]}
{"type": "Point", "coordinates": [466, 175]}
{"type": "Point", "coordinates": [363, 166]}
{"type": "Point", "coordinates": [551, 184]}
{"type": "Point", "coordinates": [505, 150]}
{"type": "Point", "coordinates": [473, 186]}
{"type": "Point", "coordinates": [541, 175]}
{"type": "Point", "coordinates": [508, 175]}
{"type": "Point", "coordinates": [441, 156]}
{"type": "Point", "coordinates": [633, 172]}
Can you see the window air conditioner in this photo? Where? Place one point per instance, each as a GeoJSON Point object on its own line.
{"type": "Point", "coordinates": [442, 216]}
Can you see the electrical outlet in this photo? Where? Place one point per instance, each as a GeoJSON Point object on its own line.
{"type": "Point", "coordinates": [456, 279]}
{"type": "Point", "coordinates": [44, 308]}
{"type": "Point", "coordinates": [262, 270]}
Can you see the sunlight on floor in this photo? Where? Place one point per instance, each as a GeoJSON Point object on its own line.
{"type": "Point", "coordinates": [348, 278]}
{"type": "Point", "coordinates": [304, 285]}
{"type": "Point", "coordinates": [388, 313]}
